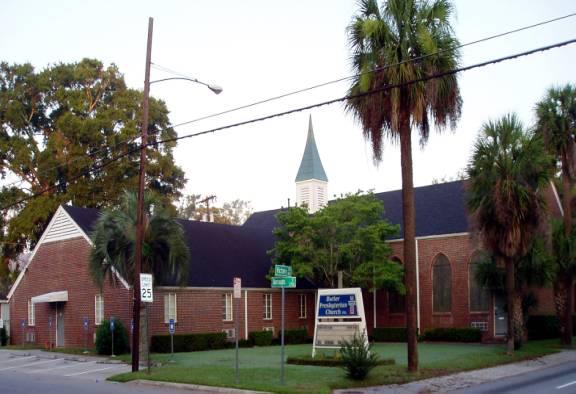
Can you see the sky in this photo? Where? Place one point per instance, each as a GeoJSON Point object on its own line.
{"type": "Point", "coordinates": [258, 49]}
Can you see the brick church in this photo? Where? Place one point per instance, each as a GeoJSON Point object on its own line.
{"type": "Point", "coordinates": [54, 299]}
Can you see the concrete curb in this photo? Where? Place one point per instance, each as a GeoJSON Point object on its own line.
{"type": "Point", "coordinates": [184, 386]}
{"type": "Point", "coordinates": [467, 379]}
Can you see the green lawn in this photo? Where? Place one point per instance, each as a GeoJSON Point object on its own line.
{"type": "Point", "coordinates": [260, 366]}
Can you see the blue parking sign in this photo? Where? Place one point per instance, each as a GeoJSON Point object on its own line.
{"type": "Point", "coordinates": [111, 324]}
{"type": "Point", "coordinates": [23, 323]}
{"type": "Point", "coordinates": [132, 326]}
{"type": "Point", "coordinates": [171, 327]}
{"type": "Point", "coordinates": [85, 323]}
{"type": "Point", "coordinates": [50, 321]}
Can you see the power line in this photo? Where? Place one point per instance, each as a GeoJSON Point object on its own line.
{"type": "Point", "coordinates": [300, 109]}
{"type": "Point", "coordinates": [416, 59]}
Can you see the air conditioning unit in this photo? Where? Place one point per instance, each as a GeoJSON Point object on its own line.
{"type": "Point", "coordinates": [269, 329]}
{"type": "Point", "coordinates": [230, 333]}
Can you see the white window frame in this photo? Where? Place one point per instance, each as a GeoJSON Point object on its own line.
{"type": "Point", "coordinates": [170, 307]}
{"type": "Point", "coordinates": [302, 306]}
{"type": "Point", "coordinates": [98, 309]}
{"type": "Point", "coordinates": [228, 305]}
{"type": "Point", "coordinates": [31, 313]}
{"type": "Point", "coordinates": [268, 306]}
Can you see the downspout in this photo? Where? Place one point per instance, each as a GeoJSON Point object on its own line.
{"type": "Point", "coordinates": [246, 314]}
{"type": "Point", "coordinates": [417, 288]}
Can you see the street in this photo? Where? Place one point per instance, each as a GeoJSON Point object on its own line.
{"type": "Point", "coordinates": [559, 379]}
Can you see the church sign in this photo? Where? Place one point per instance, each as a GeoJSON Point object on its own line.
{"type": "Point", "coordinates": [337, 305]}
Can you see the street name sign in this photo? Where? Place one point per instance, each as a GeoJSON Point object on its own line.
{"type": "Point", "coordinates": [282, 270]}
{"type": "Point", "coordinates": [284, 282]}
{"type": "Point", "coordinates": [146, 293]}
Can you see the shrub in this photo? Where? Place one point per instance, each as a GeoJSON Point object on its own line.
{"type": "Point", "coordinates": [189, 342]}
{"type": "Point", "coordinates": [453, 335]}
{"type": "Point", "coordinates": [261, 338]}
{"type": "Point", "coordinates": [357, 358]}
{"type": "Point", "coordinates": [389, 334]}
{"type": "Point", "coordinates": [245, 343]}
{"type": "Point", "coordinates": [104, 338]}
{"type": "Point", "coordinates": [3, 336]}
{"type": "Point", "coordinates": [296, 336]}
{"type": "Point", "coordinates": [543, 327]}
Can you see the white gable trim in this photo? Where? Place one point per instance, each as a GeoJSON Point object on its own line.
{"type": "Point", "coordinates": [77, 231]}
{"type": "Point", "coordinates": [433, 237]}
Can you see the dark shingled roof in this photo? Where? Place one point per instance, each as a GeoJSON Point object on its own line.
{"type": "Point", "coordinates": [218, 252]}
{"type": "Point", "coordinates": [440, 209]}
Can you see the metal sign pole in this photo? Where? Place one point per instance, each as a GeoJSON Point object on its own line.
{"type": "Point", "coordinates": [148, 337]}
{"type": "Point", "coordinates": [236, 304]}
{"type": "Point", "coordinates": [112, 333]}
{"type": "Point", "coordinates": [236, 334]}
{"type": "Point", "coordinates": [282, 342]}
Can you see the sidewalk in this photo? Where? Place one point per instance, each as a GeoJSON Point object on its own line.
{"type": "Point", "coordinates": [466, 379]}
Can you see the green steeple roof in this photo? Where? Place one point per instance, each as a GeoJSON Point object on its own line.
{"type": "Point", "coordinates": [311, 165]}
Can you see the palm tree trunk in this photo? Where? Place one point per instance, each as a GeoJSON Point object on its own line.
{"type": "Point", "coordinates": [518, 320]}
{"type": "Point", "coordinates": [560, 298]}
{"type": "Point", "coordinates": [510, 286]}
{"type": "Point", "coordinates": [566, 336]}
{"type": "Point", "coordinates": [408, 216]}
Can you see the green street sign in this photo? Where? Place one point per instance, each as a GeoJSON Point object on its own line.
{"type": "Point", "coordinates": [282, 270]}
{"type": "Point", "coordinates": [284, 281]}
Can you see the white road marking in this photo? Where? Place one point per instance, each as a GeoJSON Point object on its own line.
{"type": "Point", "coordinates": [90, 371]}
{"type": "Point", "coordinates": [17, 359]}
{"type": "Point", "coordinates": [30, 364]}
{"type": "Point", "coordinates": [72, 364]}
{"type": "Point", "coordinates": [566, 385]}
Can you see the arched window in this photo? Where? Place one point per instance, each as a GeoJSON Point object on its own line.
{"type": "Point", "coordinates": [396, 301]}
{"type": "Point", "coordinates": [441, 285]}
{"type": "Point", "coordinates": [479, 296]}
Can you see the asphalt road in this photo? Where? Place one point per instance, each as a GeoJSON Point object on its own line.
{"type": "Point", "coordinates": [560, 379]}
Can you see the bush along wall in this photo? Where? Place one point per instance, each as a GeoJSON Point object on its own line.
{"type": "Point", "coordinates": [104, 338]}
{"type": "Point", "coordinates": [296, 336]}
{"type": "Point", "coordinates": [544, 326]}
{"type": "Point", "coordinates": [261, 338]}
{"type": "Point", "coordinates": [389, 334]}
{"type": "Point", "coordinates": [453, 335]}
{"type": "Point", "coordinates": [189, 342]}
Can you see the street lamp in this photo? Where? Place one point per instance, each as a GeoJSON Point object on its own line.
{"type": "Point", "coordinates": [140, 206]}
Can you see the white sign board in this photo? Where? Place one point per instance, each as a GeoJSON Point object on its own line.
{"type": "Point", "coordinates": [237, 288]}
{"type": "Point", "coordinates": [339, 316]}
{"type": "Point", "coordinates": [146, 293]}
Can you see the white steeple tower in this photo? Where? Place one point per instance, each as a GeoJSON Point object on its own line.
{"type": "Point", "coordinates": [311, 181]}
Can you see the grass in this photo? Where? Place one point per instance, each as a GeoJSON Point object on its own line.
{"type": "Point", "coordinates": [260, 366]}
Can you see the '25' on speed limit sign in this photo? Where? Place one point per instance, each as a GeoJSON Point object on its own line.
{"type": "Point", "coordinates": [146, 294]}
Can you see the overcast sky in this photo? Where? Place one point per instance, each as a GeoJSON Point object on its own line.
{"type": "Point", "coordinates": [257, 49]}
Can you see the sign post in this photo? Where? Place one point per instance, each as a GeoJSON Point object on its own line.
{"type": "Point", "coordinates": [147, 296]}
{"type": "Point", "coordinates": [50, 332]}
{"type": "Point", "coordinates": [112, 333]}
{"type": "Point", "coordinates": [85, 325]}
{"type": "Point", "coordinates": [22, 324]}
{"type": "Point", "coordinates": [171, 329]}
{"type": "Point", "coordinates": [283, 279]}
{"type": "Point", "coordinates": [237, 297]}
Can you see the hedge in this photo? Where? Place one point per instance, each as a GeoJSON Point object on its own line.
{"type": "Point", "coordinates": [389, 334]}
{"type": "Point", "coordinates": [104, 338]}
{"type": "Point", "coordinates": [453, 335]}
{"type": "Point", "coordinates": [295, 336]}
{"type": "Point", "coordinates": [261, 338]}
{"type": "Point", "coordinates": [189, 342]}
{"type": "Point", "coordinates": [544, 326]}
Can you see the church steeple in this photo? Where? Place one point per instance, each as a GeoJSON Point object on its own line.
{"type": "Point", "coordinates": [311, 180]}
{"type": "Point", "coordinates": [311, 165]}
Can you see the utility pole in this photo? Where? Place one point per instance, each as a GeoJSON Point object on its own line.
{"type": "Point", "coordinates": [207, 201]}
{"type": "Point", "coordinates": [140, 206]}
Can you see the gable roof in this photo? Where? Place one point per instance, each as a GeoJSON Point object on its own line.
{"type": "Point", "coordinates": [218, 252]}
{"type": "Point", "coordinates": [440, 209]}
{"type": "Point", "coordinates": [311, 165]}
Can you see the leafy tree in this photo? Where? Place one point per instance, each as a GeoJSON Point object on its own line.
{"type": "Point", "coordinates": [348, 235]}
{"type": "Point", "coordinates": [556, 122]}
{"type": "Point", "coordinates": [401, 41]}
{"type": "Point", "coordinates": [508, 170]}
{"type": "Point", "coordinates": [193, 207]}
{"type": "Point", "coordinates": [57, 123]}
{"type": "Point", "coordinates": [164, 250]}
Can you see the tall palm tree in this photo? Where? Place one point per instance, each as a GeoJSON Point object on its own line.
{"type": "Point", "coordinates": [508, 170]}
{"type": "Point", "coordinates": [401, 41]}
{"type": "Point", "coordinates": [164, 250]}
{"type": "Point", "coordinates": [556, 121]}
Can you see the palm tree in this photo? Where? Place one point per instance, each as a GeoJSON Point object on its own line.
{"type": "Point", "coordinates": [556, 121]}
{"type": "Point", "coordinates": [402, 41]}
{"type": "Point", "coordinates": [508, 170]}
{"type": "Point", "coordinates": [164, 250]}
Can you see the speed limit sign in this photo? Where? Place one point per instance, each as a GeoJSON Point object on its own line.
{"type": "Point", "coordinates": [146, 294]}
